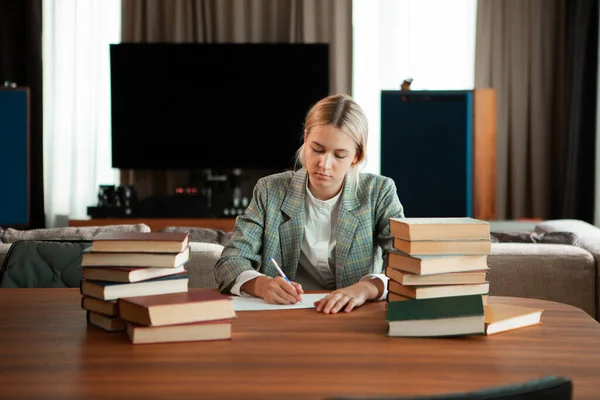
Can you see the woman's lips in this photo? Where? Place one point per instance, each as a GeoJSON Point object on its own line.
{"type": "Point", "coordinates": [322, 176]}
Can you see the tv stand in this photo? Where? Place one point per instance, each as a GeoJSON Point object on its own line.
{"type": "Point", "coordinates": [156, 224]}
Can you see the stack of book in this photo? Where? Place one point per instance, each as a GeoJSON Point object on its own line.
{"type": "Point", "coordinates": [128, 264]}
{"type": "Point", "coordinates": [196, 315]}
{"type": "Point", "coordinates": [437, 284]}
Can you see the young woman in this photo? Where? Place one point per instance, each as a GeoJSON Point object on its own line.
{"type": "Point", "coordinates": [326, 224]}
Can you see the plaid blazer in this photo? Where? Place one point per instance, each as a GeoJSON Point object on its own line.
{"type": "Point", "coordinates": [273, 226]}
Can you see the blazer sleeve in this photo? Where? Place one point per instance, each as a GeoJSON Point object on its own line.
{"type": "Point", "coordinates": [388, 206]}
{"type": "Point", "coordinates": [243, 251]}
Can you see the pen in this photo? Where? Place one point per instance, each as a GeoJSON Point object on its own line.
{"type": "Point", "coordinates": [280, 271]}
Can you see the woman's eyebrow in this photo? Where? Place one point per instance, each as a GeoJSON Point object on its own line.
{"type": "Point", "coordinates": [320, 145]}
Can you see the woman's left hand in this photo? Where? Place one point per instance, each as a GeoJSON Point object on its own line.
{"type": "Point", "coordinates": [347, 298]}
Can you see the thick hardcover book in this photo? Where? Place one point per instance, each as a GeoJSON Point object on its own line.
{"type": "Point", "coordinates": [105, 307]}
{"type": "Point", "coordinates": [441, 264]}
{"type": "Point", "coordinates": [91, 258]}
{"type": "Point", "coordinates": [142, 242]}
{"type": "Point", "coordinates": [197, 331]}
{"type": "Point", "coordinates": [124, 274]}
{"type": "Point", "coordinates": [453, 278]}
{"type": "Point", "coordinates": [433, 291]}
{"type": "Point", "coordinates": [114, 290]}
{"type": "Point", "coordinates": [440, 228]}
{"type": "Point", "coordinates": [455, 316]}
{"type": "Point", "coordinates": [391, 296]}
{"type": "Point", "coordinates": [439, 247]}
{"type": "Point", "coordinates": [107, 323]}
{"type": "Point", "coordinates": [178, 308]}
{"type": "Point", "coordinates": [452, 307]}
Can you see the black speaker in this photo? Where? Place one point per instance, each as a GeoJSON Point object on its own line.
{"type": "Point", "coordinates": [428, 146]}
{"type": "Point", "coordinates": [14, 155]}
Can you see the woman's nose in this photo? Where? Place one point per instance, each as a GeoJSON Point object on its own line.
{"type": "Point", "coordinates": [325, 161]}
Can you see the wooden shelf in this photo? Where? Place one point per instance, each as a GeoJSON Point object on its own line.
{"type": "Point", "coordinates": [156, 224]}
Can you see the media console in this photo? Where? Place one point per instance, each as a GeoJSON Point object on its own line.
{"type": "Point", "coordinates": [156, 224]}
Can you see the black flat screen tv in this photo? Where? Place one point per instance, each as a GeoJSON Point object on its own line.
{"type": "Point", "coordinates": [221, 106]}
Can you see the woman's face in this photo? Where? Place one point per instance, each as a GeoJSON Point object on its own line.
{"type": "Point", "coordinates": [329, 154]}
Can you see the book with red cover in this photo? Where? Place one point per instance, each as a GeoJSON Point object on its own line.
{"type": "Point", "coordinates": [144, 242]}
{"type": "Point", "coordinates": [177, 308]}
{"type": "Point", "coordinates": [195, 331]}
{"type": "Point", "coordinates": [91, 258]}
{"type": "Point", "coordinates": [125, 274]}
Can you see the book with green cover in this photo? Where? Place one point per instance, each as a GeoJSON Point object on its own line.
{"type": "Point", "coordinates": [441, 307]}
{"type": "Point", "coordinates": [446, 316]}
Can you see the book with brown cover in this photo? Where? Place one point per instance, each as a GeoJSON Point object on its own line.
{"type": "Point", "coordinates": [506, 317]}
{"type": "Point", "coordinates": [142, 242]}
{"type": "Point", "coordinates": [391, 297]}
{"type": "Point", "coordinates": [447, 228]}
{"type": "Point", "coordinates": [106, 307]}
{"type": "Point", "coordinates": [177, 308]}
{"type": "Point", "coordinates": [430, 292]}
{"type": "Point", "coordinates": [437, 264]}
{"type": "Point", "coordinates": [452, 278]}
{"type": "Point", "coordinates": [439, 247]}
{"type": "Point", "coordinates": [91, 258]}
{"type": "Point", "coordinates": [124, 274]}
{"type": "Point", "coordinates": [109, 324]}
{"type": "Point", "coordinates": [196, 331]}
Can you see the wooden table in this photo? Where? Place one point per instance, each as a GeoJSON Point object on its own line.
{"type": "Point", "coordinates": [47, 350]}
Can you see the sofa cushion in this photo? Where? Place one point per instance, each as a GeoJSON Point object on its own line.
{"type": "Point", "coordinates": [202, 235]}
{"type": "Point", "coordinates": [42, 264]}
{"type": "Point", "coordinates": [582, 228]}
{"type": "Point", "coordinates": [4, 247]}
{"type": "Point", "coordinates": [557, 272]}
{"type": "Point", "coordinates": [68, 233]}
{"type": "Point", "coordinates": [569, 238]}
{"type": "Point", "coordinates": [201, 267]}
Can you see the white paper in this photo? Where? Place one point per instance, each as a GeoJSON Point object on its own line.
{"type": "Point", "coordinates": [257, 304]}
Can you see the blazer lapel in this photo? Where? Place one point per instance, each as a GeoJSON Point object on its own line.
{"type": "Point", "coordinates": [291, 231]}
{"type": "Point", "coordinates": [346, 228]}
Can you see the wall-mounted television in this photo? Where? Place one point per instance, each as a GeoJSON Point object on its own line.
{"type": "Point", "coordinates": [221, 106]}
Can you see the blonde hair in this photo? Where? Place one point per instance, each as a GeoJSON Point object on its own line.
{"type": "Point", "coordinates": [343, 113]}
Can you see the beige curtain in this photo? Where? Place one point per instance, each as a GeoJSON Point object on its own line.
{"type": "Point", "coordinates": [238, 21]}
{"type": "Point", "coordinates": [518, 52]}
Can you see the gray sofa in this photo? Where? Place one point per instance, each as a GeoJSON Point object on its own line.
{"type": "Point", "coordinates": [200, 267]}
{"type": "Point", "coordinates": [562, 272]}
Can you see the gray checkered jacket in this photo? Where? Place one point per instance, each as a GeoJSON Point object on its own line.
{"type": "Point", "coordinates": [273, 226]}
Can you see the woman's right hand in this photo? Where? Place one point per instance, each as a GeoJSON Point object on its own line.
{"type": "Point", "coordinates": [278, 290]}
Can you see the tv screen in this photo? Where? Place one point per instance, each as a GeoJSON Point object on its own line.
{"type": "Point", "coordinates": [196, 106]}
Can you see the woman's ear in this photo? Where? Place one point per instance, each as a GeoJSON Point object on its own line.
{"type": "Point", "coordinates": [357, 157]}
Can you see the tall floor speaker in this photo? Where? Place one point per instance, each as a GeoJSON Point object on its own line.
{"type": "Point", "coordinates": [14, 155]}
{"type": "Point", "coordinates": [440, 149]}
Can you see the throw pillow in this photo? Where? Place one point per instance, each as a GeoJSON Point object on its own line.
{"type": "Point", "coordinates": [203, 235]}
{"type": "Point", "coordinates": [512, 237]}
{"type": "Point", "coordinates": [569, 238]}
{"type": "Point", "coordinates": [68, 233]}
